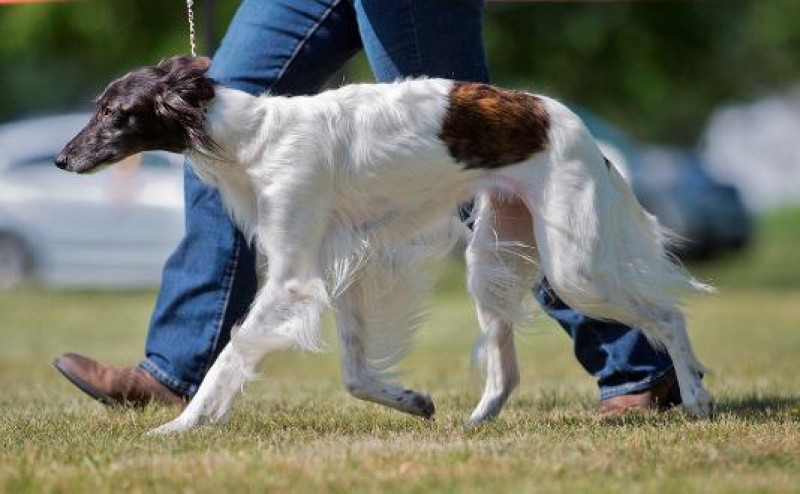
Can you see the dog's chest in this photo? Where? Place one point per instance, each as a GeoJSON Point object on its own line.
{"type": "Point", "coordinates": [402, 197]}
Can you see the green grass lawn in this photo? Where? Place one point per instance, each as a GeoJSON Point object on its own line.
{"type": "Point", "coordinates": [296, 430]}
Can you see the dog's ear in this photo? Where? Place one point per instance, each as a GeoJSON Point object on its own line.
{"type": "Point", "coordinates": [185, 63]}
{"type": "Point", "coordinates": [186, 76]}
{"type": "Point", "coordinates": [181, 93]}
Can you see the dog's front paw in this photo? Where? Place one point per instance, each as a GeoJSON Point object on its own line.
{"type": "Point", "coordinates": [422, 406]}
{"type": "Point", "coordinates": [177, 426]}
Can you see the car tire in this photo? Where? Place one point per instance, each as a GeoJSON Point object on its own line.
{"type": "Point", "coordinates": [15, 260]}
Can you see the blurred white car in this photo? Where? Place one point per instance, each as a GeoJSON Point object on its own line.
{"type": "Point", "coordinates": [112, 229]}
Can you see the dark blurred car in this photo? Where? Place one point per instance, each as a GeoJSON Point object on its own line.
{"type": "Point", "coordinates": [114, 228]}
{"type": "Point", "coordinates": [710, 217]}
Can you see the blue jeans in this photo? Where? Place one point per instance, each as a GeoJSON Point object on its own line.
{"type": "Point", "coordinates": [293, 47]}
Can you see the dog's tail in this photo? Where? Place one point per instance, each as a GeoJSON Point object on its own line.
{"type": "Point", "coordinates": [601, 251]}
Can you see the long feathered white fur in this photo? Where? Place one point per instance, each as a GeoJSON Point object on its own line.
{"type": "Point", "coordinates": [349, 193]}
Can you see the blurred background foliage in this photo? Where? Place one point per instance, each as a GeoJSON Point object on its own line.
{"type": "Point", "coordinates": [665, 63]}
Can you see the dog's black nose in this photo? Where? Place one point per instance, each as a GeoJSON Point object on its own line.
{"type": "Point", "coordinates": [61, 161]}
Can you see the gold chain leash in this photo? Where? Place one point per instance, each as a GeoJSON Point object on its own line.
{"type": "Point", "coordinates": [190, 15]}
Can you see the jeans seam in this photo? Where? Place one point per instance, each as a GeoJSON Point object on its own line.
{"type": "Point", "coordinates": [231, 275]}
{"type": "Point", "coordinates": [310, 32]}
{"type": "Point", "coordinates": [417, 50]}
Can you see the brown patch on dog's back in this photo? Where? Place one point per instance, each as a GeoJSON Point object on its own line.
{"type": "Point", "coordinates": [488, 127]}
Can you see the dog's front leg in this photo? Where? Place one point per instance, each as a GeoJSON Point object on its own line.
{"type": "Point", "coordinates": [234, 366]}
{"type": "Point", "coordinates": [270, 326]}
{"type": "Point", "coordinates": [360, 378]}
{"type": "Point", "coordinates": [286, 312]}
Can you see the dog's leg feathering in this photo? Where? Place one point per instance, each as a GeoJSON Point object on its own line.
{"type": "Point", "coordinates": [378, 313]}
{"type": "Point", "coordinates": [360, 377]}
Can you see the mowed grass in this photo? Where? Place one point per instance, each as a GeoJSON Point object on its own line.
{"type": "Point", "coordinates": [296, 430]}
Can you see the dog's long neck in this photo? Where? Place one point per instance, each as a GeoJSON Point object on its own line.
{"type": "Point", "coordinates": [232, 119]}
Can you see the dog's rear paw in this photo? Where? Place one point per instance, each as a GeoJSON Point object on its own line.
{"type": "Point", "coordinates": [485, 411]}
{"type": "Point", "coordinates": [478, 420]}
{"type": "Point", "coordinates": [701, 405]}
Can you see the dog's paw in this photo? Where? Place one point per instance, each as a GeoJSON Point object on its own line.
{"type": "Point", "coordinates": [700, 405]}
{"type": "Point", "coordinates": [408, 401]}
{"type": "Point", "coordinates": [177, 426]}
{"type": "Point", "coordinates": [422, 406]}
{"type": "Point", "coordinates": [478, 420]}
{"type": "Point", "coordinates": [486, 411]}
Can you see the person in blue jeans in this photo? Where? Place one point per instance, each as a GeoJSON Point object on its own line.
{"type": "Point", "coordinates": [291, 47]}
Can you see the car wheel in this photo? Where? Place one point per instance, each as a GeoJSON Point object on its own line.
{"type": "Point", "coordinates": [14, 260]}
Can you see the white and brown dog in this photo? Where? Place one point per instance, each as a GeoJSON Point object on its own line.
{"type": "Point", "coordinates": [347, 193]}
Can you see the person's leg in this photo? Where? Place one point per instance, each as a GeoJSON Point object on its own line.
{"type": "Point", "coordinates": [208, 283]}
{"type": "Point", "coordinates": [432, 38]}
{"type": "Point", "coordinates": [621, 358]}
{"type": "Point", "coordinates": [443, 38]}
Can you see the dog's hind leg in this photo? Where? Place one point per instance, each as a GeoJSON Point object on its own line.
{"type": "Point", "coordinates": [603, 254]}
{"type": "Point", "coordinates": [501, 263]}
{"type": "Point", "coordinates": [669, 329]}
{"type": "Point", "coordinates": [359, 374]}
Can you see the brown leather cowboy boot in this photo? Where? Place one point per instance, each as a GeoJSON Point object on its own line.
{"type": "Point", "coordinates": [664, 395]}
{"type": "Point", "coordinates": [127, 386]}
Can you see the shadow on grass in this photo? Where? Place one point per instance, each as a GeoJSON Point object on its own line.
{"type": "Point", "coordinates": [752, 408]}
{"type": "Point", "coordinates": [757, 406]}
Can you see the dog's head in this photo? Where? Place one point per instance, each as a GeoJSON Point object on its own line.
{"type": "Point", "coordinates": [159, 107]}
